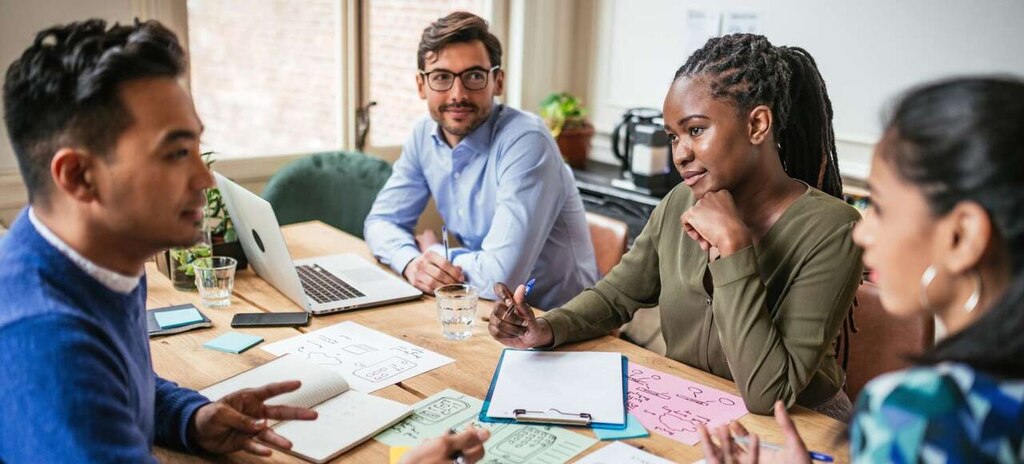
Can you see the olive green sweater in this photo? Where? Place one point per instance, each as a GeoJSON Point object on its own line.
{"type": "Point", "coordinates": [774, 312]}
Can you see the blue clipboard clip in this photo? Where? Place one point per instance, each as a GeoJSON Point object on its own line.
{"type": "Point", "coordinates": [553, 416]}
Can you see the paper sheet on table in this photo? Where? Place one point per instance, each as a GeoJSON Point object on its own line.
{"type": "Point", "coordinates": [673, 407]}
{"type": "Point", "coordinates": [570, 382]}
{"type": "Point", "coordinates": [514, 443]}
{"type": "Point", "coordinates": [621, 453]}
{"type": "Point", "coordinates": [367, 359]}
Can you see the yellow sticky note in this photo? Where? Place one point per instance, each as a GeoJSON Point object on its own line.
{"type": "Point", "coordinates": [397, 452]}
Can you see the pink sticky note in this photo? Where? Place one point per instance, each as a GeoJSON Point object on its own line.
{"type": "Point", "coordinates": [673, 407]}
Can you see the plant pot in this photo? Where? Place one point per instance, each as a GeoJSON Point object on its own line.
{"type": "Point", "coordinates": [168, 265]}
{"type": "Point", "coordinates": [233, 250]}
{"type": "Point", "coordinates": [574, 144]}
{"type": "Point", "coordinates": [185, 281]}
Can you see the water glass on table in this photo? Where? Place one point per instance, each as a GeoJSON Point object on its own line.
{"type": "Point", "coordinates": [215, 278]}
{"type": "Point", "coordinates": [456, 308]}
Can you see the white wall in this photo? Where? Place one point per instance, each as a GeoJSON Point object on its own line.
{"type": "Point", "coordinates": [867, 50]}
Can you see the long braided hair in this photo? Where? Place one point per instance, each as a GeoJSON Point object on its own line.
{"type": "Point", "coordinates": [747, 70]}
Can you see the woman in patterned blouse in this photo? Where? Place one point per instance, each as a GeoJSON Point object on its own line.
{"type": "Point", "coordinates": [944, 236]}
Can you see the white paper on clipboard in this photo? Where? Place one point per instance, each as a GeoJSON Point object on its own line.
{"type": "Point", "coordinates": [568, 382]}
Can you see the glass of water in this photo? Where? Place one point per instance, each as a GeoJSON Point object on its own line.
{"type": "Point", "coordinates": [456, 307]}
{"type": "Point", "coordinates": [215, 278]}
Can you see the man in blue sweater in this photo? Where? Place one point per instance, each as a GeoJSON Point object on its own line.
{"type": "Point", "coordinates": [107, 142]}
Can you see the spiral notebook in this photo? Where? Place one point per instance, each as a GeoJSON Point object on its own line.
{"type": "Point", "coordinates": [346, 417]}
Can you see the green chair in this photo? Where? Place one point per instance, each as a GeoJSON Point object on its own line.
{"type": "Point", "coordinates": [337, 188]}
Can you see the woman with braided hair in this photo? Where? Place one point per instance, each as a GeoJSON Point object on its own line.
{"type": "Point", "coordinates": [944, 237]}
{"type": "Point", "coordinates": [752, 260]}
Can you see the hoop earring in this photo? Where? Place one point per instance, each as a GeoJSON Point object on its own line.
{"type": "Point", "coordinates": [972, 301]}
{"type": "Point", "coordinates": [926, 280]}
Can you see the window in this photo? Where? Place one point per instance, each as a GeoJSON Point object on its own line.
{"type": "Point", "coordinates": [266, 76]}
{"type": "Point", "coordinates": [393, 31]}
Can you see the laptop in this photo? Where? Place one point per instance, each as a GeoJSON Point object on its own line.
{"type": "Point", "coordinates": [321, 285]}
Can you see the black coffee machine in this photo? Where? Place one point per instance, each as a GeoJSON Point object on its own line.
{"type": "Point", "coordinates": [641, 145]}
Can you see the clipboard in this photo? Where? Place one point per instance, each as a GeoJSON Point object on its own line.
{"type": "Point", "coordinates": [553, 415]}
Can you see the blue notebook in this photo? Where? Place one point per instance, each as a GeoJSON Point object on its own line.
{"type": "Point", "coordinates": [157, 329]}
{"type": "Point", "coordinates": [583, 388]}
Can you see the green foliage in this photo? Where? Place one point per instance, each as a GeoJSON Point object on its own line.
{"type": "Point", "coordinates": [216, 210]}
{"type": "Point", "coordinates": [561, 111]}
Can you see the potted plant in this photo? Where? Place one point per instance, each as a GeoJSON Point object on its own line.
{"type": "Point", "coordinates": [566, 118]}
{"type": "Point", "coordinates": [220, 239]}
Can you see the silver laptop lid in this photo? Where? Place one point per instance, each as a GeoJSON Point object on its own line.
{"type": "Point", "coordinates": [261, 238]}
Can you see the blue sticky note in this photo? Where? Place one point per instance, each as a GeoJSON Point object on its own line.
{"type": "Point", "coordinates": [233, 342]}
{"type": "Point", "coordinates": [633, 430]}
{"type": "Point", "coordinates": [177, 318]}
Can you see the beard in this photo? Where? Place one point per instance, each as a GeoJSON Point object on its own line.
{"type": "Point", "coordinates": [476, 119]}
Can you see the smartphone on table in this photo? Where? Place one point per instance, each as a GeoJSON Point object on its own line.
{"type": "Point", "coordinates": [270, 319]}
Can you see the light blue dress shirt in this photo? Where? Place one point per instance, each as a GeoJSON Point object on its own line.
{"type": "Point", "coordinates": [508, 197]}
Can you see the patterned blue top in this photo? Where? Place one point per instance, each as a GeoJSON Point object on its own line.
{"type": "Point", "coordinates": [943, 413]}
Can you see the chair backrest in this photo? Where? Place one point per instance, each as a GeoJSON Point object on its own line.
{"type": "Point", "coordinates": [337, 188]}
{"type": "Point", "coordinates": [609, 237]}
{"type": "Point", "coordinates": [883, 342]}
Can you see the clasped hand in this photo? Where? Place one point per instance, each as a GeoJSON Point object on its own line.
{"type": "Point", "coordinates": [714, 222]}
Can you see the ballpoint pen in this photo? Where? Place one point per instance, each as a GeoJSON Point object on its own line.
{"type": "Point", "coordinates": [444, 240]}
{"type": "Point", "coordinates": [813, 454]}
{"type": "Point", "coordinates": [509, 301]}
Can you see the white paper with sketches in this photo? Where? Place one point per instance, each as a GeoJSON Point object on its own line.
{"type": "Point", "coordinates": [368, 360]}
{"type": "Point", "coordinates": [621, 453]}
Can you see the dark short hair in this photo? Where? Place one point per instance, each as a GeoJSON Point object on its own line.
{"type": "Point", "coordinates": [458, 27]}
{"type": "Point", "coordinates": [63, 90]}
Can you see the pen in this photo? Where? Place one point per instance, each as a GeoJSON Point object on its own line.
{"type": "Point", "coordinates": [508, 310]}
{"type": "Point", "coordinates": [456, 456]}
{"type": "Point", "coordinates": [813, 454]}
{"type": "Point", "coordinates": [444, 240]}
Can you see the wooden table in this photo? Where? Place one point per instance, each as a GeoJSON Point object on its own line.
{"type": "Point", "coordinates": [182, 358]}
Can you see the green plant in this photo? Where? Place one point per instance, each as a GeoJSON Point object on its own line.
{"type": "Point", "coordinates": [221, 228]}
{"type": "Point", "coordinates": [562, 111]}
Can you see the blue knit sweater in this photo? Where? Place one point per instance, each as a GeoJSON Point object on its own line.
{"type": "Point", "coordinates": [76, 382]}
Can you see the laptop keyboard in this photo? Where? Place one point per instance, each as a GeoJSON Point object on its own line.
{"type": "Point", "coordinates": [324, 287]}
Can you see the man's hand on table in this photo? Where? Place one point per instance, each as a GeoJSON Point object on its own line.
{"type": "Point", "coordinates": [430, 270]}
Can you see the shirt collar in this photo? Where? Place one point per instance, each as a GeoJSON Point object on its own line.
{"type": "Point", "coordinates": [113, 280]}
{"type": "Point", "coordinates": [480, 139]}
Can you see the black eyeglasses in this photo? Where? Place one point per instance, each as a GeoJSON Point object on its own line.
{"type": "Point", "coordinates": [472, 78]}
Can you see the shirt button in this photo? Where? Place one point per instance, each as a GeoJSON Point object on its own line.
{"type": "Point", "coordinates": [456, 175]}
{"type": "Point", "coordinates": [708, 301]}
{"type": "Point", "coordinates": [460, 214]}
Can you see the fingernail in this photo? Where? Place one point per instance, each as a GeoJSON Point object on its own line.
{"type": "Point", "coordinates": [258, 423]}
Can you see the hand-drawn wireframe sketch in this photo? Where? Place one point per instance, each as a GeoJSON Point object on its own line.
{"type": "Point", "coordinates": [674, 407]}
{"type": "Point", "coordinates": [383, 370]}
{"type": "Point", "coordinates": [369, 360]}
{"type": "Point", "coordinates": [324, 359]}
{"type": "Point", "coordinates": [522, 445]}
{"type": "Point", "coordinates": [359, 348]}
{"type": "Point", "coordinates": [509, 443]}
{"type": "Point", "coordinates": [439, 409]}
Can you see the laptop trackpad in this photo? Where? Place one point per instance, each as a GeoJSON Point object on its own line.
{"type": "Point", "coordinates": [365, 275]}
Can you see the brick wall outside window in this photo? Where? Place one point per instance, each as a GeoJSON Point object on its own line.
{"type": "Point", "coordinates": [395, 27]}
{"type": "Point", "coordinates": [265, 76]}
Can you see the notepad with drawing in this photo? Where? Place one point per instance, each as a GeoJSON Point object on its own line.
{"type": "Point", "coordinates": [571, 388]}
{"type": "Point", "coordinates": [346, 417]}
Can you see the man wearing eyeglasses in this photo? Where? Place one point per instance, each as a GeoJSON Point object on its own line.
{"type": "Point", "coordinates": [495, 174]}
